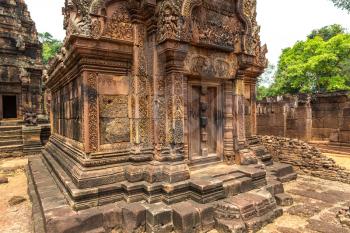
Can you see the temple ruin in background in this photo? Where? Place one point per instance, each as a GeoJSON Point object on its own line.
{"type": "Point", "coordinates": [20, 79]}
{"type": "Point", "coordinates": [320, 117]}
{"type": "Point", "coordinates": [153, 114]}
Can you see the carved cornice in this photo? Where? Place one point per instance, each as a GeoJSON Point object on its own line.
{"type": "Point", "coordinates": [89, 54]}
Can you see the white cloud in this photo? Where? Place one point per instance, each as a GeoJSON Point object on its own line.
{"type": "Point", "coordinates": [283, 22]}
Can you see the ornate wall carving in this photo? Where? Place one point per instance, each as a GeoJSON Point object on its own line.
{"type": "Point", "coordinates": [92, 111]}
{"type": "Point", "coordinates": [118, 25]}
{"type": "Point", "coordinates": [169, 20]}
{"type": "Point", "coordinates": [114, 120]}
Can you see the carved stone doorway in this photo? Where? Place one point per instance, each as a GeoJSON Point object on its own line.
{"type": "Point", "coordinates": [9, 106]}
{"type": "Point", "coordinates": [205, 122]}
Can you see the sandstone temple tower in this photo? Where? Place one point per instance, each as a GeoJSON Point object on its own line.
{"type": "Point", "coordinates": [154, 102]}
{"type": "Point", "coordinates": [20, 61]}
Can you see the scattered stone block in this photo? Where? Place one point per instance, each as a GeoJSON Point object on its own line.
{"type": "Point", "coordinates": [283, 199]}
{"type": "Point", "coordinates": [3, 180]}
{"type": "Point", "coordinates": [16, 200]}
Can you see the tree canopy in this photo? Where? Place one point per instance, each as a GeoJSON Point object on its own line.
{"type": "Point", "coordinates": [343, 4]}
{"type": "Point", "coordinates": [51, 46]}
{"type": "Point", "coordinates": [318, 64]}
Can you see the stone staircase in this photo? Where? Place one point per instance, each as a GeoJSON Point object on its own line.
{"type": "Point", "coordinates": [260, 150]}
{"type": "Point", "coordinates": [11, 139]}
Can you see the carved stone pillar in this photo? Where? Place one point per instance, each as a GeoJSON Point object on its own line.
{"type": "Point", "coordinates": [238, 109]}
{"type": "Point", "coordinates": [91, 124]}
{"type": "Point", "coordinates": [173, 54]}
{"type": "Point", "coordinates": [229, 122]}
{"type": "Point", "coordinates": [253, 108]}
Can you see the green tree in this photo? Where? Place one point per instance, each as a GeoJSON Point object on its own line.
{"type": "Point", "coordinates": [51, 46]}
{"type": "Point", "coordinates": [343, 4]}
{"type": "Point", "coordinates": [265, 81]}
{"type": "Point", "coordinates": [327, 32]}
{"type": "Point", "coordinates": [314, 65]}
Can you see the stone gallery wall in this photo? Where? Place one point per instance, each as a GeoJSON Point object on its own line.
{"type": "Point", "coordinates": [330, 117]}
{"type": "Point", "coordinates": [285, 116]}
{"type": "Point", "coordinates": [306, 159]}
{"type": "Point", "coordinates": [319, 117]}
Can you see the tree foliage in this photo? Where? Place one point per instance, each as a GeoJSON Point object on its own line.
{"type": "Point", "coordinates": [327, 32]}
{"type": "Point", "coordinates": [265, 81]}
{"type": "Point", "coordinates": [343, 4]}
{"type": "Point", "coordinates": [51, 46]}
{"type": "Point", "coordinates": [318, 64]}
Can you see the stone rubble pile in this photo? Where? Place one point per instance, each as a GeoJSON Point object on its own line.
{"type": "Point", "coordinates": [344, 216]}
{"type": "Point", "coordinates": [306, 159]}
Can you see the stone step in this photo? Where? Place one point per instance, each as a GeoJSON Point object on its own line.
{"type": "Point", "coordinates": [9, 128]}
{"type": "Point", "coordinates": [11, 142]}
{"type": "Point", "coordinates": [12, 148]}
{"type": "Point", "coordinates": [5, 137]}
{"type": "Point", "coordinates": [281, 169]}
{"type": "Point", "coordinates": [231, 176]}
{"type": "Point", "coordinates": [204, 162]}
{"type": "Point", "coordinates": [11, 132]}
{"type": "Point", "coordinates": [289, 177]}
{"type": "Point", "coordinates": [11, 122]}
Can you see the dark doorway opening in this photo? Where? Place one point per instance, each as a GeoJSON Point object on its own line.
{"type": "Point", "coordinates": [9, 103]}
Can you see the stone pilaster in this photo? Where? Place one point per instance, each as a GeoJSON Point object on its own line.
{"type": "Point", "coordinates": [238, 109]}
{"type": "Point", "coordinates": [253, 108]}
{"type": "Point", "coordinates": [229, 121]}
{"type": "Point", "coordinates": [173, 55]}
{"type": "Point", "coordinates": [91, 123]}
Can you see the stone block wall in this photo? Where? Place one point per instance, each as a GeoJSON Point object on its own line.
{"type": "Point", "coordinates": [324, 117]}
{"type": "Point", "coordinates": [306, 159]}
{"type": "Point", "coordinates": [285, 116]}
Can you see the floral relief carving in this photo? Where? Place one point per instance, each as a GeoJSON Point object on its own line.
{"type": "Point", "coordinates": [92, 110]}
{"type": "Point", "coordinates": [119, 25]}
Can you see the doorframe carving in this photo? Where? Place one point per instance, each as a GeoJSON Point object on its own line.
{"type": "Point", "coordinates": [219, 84]}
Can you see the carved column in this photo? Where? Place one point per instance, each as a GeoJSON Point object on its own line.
{"type": "Point", "coordinates": [173, 54]}
{"type": "Point", "coordinates": [229, 122]}
{"type": "Point", "coordinates": [91, 123]}
{"type": "Point", "coordinates": [238, 109]}
{"type": "Point", "coordinates": [140, 99]}
{"type": "Point", "coordinates": [253, 108]}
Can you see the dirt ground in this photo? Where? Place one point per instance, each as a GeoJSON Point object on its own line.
{"type": "Point", "coordinates": [316, 203]}
{"type": "Point", "coordinates": [341, 159]}
{"type": "Point", "coordinates": [14, 219]}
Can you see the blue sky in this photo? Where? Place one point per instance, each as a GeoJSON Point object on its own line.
{"type": "Point", "coordinates": [283, 22]}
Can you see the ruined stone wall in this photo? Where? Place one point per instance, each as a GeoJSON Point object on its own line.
{"type": "Point", "coordinates": [285, 116]}
{"type": "Point", "coordinates": [319, 117]}
{"type": "Point", "coordinates": [305, 159]}
{"type": "Point", "coordinates": [329, 117]}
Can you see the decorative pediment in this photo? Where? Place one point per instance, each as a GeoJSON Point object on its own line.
{"type": "Point", "coordinates": [98, 18]}
{"type": "Point", "coordinates": [216, 65]}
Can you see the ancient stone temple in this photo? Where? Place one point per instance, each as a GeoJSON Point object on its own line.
{"type": "Point", "coordinates": [153, 114]}
{"type": "Point", "coordinates": [20, 80]}
{"type": "Point", "coordinates": [20, 61]}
